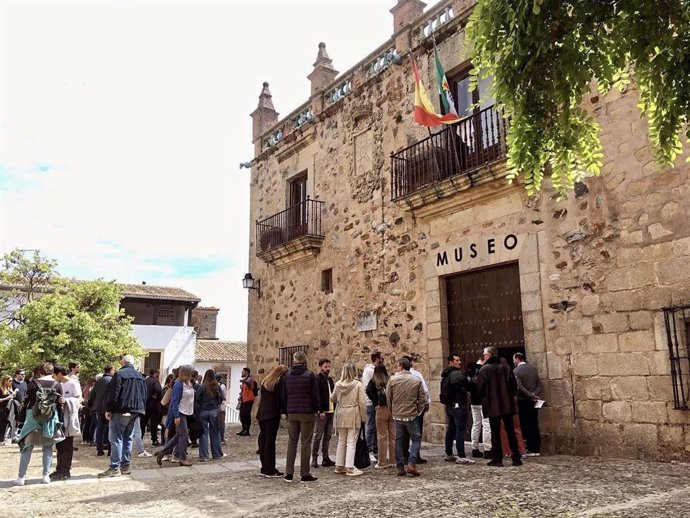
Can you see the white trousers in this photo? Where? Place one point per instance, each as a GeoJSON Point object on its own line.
{"type": "Point", "coordinates": [479, 423]}
{"type": "Point", "coordinates": [347, 440]}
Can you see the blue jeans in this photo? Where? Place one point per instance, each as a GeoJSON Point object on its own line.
{"type": "Point", "coordinates": [372, 443]}
{"type": "Point", "coordinates": [179, 440]}
{"type": "Point", "coordinates": [137, 439]}
{"type": "Point", "coordinates": [25, 458]}
{"type": "Point", "coordinates": [120, 437]}
{"type": "Point", "coordinates": [412, 429]}
{"type": "Point", "coordinates": [209, 420]}
{"type": "Point", "coordinates": [457, 420]}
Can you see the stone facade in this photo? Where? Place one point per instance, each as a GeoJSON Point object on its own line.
{"type": "Point", "coordinates": [595, 269]}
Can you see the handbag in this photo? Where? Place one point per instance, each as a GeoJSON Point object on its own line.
{"type": "Point", "coordinates": [195, 427]}
{"type": "Point", "coordinates": [165, 402]}
{"type": "Point", "coordinates": [362, 451]}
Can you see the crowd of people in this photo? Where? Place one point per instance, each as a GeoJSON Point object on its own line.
{"type": "Point", "coordinates": [390, 409]}
{"type": "Point", "coordinates": [112, 412]}
{"type": "Point", "coordinates": [385, 411]}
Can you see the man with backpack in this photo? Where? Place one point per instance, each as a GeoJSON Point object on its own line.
{"type": "Point", "coordinates": [125, 403]}
{"type": "Point", "coordinates": [41, 426]}
{"type": "Point", "coordinates": [249, 389]}
{"type": "Point", "coordinates": [454, 397]}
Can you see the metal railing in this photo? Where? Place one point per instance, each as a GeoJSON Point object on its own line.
{"type": "Point", "coordinates": [232, 415]}
{"type": "Point", "coordinates": [462, 148]}
{"type": "Point", "coordinates": [677, 320]}
{"type": "Point", "coordinates": [303, 219]}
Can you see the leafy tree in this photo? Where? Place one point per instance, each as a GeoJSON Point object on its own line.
{"type": "Point", "coordinates": [69, 321]}
{"type": "Point", "coordinates": [544, 55]}
{"type": "Point", "coordinates": [23, 279]}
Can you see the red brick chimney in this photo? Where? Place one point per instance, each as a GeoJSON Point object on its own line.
{"type": "Point", "coordinates": [323, 73]}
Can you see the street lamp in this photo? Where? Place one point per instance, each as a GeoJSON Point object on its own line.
{"type": "Point", "coordinates": [251, 284]}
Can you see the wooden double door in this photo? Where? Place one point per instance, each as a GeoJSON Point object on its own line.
{"type": "Point", "coordinates": [485, 309]}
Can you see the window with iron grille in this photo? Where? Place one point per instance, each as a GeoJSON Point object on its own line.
{"type": "Point", "coordinates": [285, 354]}
{"type": "Point", "coordinates": [677, 320]}
{"type": "Point", "coordinates": [166, 313]}
{"type": "Point", "coordinates": [327, 280]}
{"type": "Point", "coordinates": [152, 361]}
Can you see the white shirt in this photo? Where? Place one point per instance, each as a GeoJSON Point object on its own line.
{"type": "Point", "coordinates": [367, 374]}
{"type": "Point", "coordinates": [419, 376]}
{"type": "Point", "coordinates": [71, 388]}
{"type": "Point", "coordinates": [187, 401]}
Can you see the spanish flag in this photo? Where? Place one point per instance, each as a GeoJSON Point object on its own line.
{"type": "Point", "coordinates": [424, 113]}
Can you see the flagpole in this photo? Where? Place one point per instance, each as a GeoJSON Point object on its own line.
{"type": "Point", "coordinates": [454, 137]}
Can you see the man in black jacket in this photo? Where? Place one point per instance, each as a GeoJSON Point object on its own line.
{"type": "Point", "coordinates": [497, 386]}
{"type": "Point", "coordinates": [99, 393]}
{"type": "Point", "coordinates": [154, 394]}
{"type": "Point", "coordinates": [324, 427]}
{"type": "Point", "coordinates": [125, 403]}
{"type": "Point", "coordinates": [302, 402]}
{"type": "Point", "coordinates": [454, 397]}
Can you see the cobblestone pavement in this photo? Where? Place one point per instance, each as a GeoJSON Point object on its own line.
{"type": "Point", "coordinates": [543, 487]}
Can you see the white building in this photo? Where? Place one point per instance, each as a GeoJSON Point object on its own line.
{"type": "Point", "coordinates": [225, 358]}
{"type": "Point", "coordinates": [162, 324]}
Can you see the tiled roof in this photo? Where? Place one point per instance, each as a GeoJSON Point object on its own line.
{"type": "Point", "coordinates": [220, 351]}
{"type": "Point", "coordinates": [146, 291]}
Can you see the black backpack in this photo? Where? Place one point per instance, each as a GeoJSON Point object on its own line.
{"type": "Point", "coordinates": [44, 407]}
{"type": "Point", "coordinates": [255, 388]}
{"type": "Point", "coordinates": [446, 395]}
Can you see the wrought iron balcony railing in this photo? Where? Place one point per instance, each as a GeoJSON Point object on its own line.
{"type": "Point", "coordinates": [301, 220]}
{"type": "Point", "coordinates": [460, 149]}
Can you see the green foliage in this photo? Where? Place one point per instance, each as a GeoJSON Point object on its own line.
{"type": "Point", "coordinates": [545, 55]}
{"type": "Point", "coordinates": [69, 321]}
{"type": "Point", "coordinates": [23, 279]}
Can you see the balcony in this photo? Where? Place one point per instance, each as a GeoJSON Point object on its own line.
{"type": "Point", "coordinates": [291, 235]}
{"type": "Point", "coordinates": [459, 157]}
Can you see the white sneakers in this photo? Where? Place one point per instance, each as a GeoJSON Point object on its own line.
{"type": "Point", "coordinates": [372, 457]}
{"type": "Point", "coordinates": [19, 481]}
{"type": "Point", "coordinates": [144, 454]}
{"type": "Point", "coordinates": [354, 472]}
{"type": "Point", "coordinates": [530, 454]}
{"type": "Point", "coordinates": [465, 460]}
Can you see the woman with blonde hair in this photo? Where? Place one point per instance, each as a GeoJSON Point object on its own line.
{"type": "Point", "coordinates": [181, 407]}
{"type": "Point", "coordinates": [268, 415]}
{"type": "Point", "coordinates": [351, 409]}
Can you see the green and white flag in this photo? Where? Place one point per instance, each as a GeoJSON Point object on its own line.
{"type": "Point", "coordinates": [444, 93]}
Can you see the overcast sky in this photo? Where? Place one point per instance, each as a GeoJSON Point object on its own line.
{"type": "Point", "coordinates": [123, 124]}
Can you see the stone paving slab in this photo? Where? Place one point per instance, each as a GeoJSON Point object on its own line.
{"type": "Point", "coordinates": [209, 469]}
{"type": "Point", "coordinates": [149, 474]}
{"type": "Point", "coordinates": [238, 466]}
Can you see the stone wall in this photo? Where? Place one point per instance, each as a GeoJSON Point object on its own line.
{"type": "Point", "coordinates": [595, 268]}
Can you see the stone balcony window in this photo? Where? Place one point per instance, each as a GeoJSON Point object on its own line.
{"type": "Point", "coordinates": [451, 160]}
{"type": "Point", "coordinates": [290, 235]}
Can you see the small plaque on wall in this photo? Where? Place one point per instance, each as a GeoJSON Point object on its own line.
{"type": "Point", "coordinates": [366, 321]}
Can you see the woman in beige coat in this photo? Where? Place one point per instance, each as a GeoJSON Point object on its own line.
{"type": "Point", "coordinates": [351, 409]}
